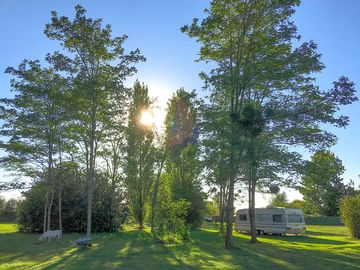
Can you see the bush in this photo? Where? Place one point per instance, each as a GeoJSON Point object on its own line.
{"type": "Point", "coordinates": [74, 205]}
{"type": "Point", "coordinates": [323, 221]}
{"type": "Point", "coordinates": [350, 214]}
{"type": "Point", "coordinates": [8, 210]}
{"type": "Point", "coordinates": [170, 223]}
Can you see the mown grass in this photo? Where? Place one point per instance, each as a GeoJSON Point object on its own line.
{"type": "Point", "coordinates": [323, 247]}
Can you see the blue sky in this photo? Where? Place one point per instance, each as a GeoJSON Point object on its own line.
{"type": "Point", "coordinates": [153, 27]}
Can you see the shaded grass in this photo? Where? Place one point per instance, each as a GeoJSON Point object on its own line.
{"type": "Point", "coordinates": [323, 247]}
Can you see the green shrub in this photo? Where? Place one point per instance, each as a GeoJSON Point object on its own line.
{"type": "Point", "coordinates": [170, 222]}
{"type": "Point", "coordinates": [350, 214]}
{"type": "Point", "coordinates": [8, 210]}
{"type": "Point", "coordinates": [323, 221]}
{"type": "Point", "coordinates": [74, 204]}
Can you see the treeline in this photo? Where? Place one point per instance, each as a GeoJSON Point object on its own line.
{"type": "Point", "coordinates": [77, 132]}
{"type": "Point", "coordinates": [8, 210]}
{"type": "Point", "coordinates": [321, 185]}
{"type": "Point", "coordinates": [74, 120]}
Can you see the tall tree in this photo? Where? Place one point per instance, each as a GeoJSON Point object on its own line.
{"type": "Point", "coordinates": [182, 165]}
{"type": "Point", "coordinates": [97, 65]}
{"type": "Point", "coordinates": [32, 121]}
{"type": "Point", "coordinates": [216, 149]}
{"type": "Point", "coordinates": [140, 156]}
{"type": "Point", "coordinates": [322, 185]}
{"type": "Point", "coordinates": [265, 88]}
{"type": "Point", "coordinates": [180, 131]}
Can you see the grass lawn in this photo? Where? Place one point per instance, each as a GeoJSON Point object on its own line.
{"type": "Point", "coordinates": [323, 247]}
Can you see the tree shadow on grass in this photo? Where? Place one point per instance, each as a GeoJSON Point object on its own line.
{"type": "Point", "coordinates": [137, 250]}
{"type": "Point", "coordinates": [129, 250]}
{"type": "Point", "coordinates": [290, 253]}
{"type": "Point", "coordinates": [313, 233]}
{"type": "Point", "coordinates": [22, 251]}
{"type": "Point", "coordinates": [307, 239]}
{"type": "Point", "coordinates": [305, 252]}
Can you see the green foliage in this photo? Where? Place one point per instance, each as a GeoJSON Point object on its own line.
{"type": "Point", "coordinates": [279, 200]}
{"type": "Point", "coordinates": [323, 221]}
{"type": "Point", "coordinates": [265, 87]}
{"type": "Point", "coordinates": [140, 157]}
{"type": "Point", "coordinates": [8, 209]}
{"type": "Point", "coordinates": [322, 186]}
{"type": "Point", "coordinates": [2, 205]}
{"type": "Point", "coordinates": [96, 66]}
{"type": "Point", "coordinates": [74, 201]}
{"type": "Point", "coordinates": [211, 209]}
{"type": "Point", "coordinates": [182, 165]}
{"type": "Point", "coordinates": [170, 222]}
{"type": "Point", "coordinates": [305, 206]}
{"type": "Point", "coordinates": [350, 214]}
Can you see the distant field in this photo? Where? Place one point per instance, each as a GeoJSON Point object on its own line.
{"type": "Point", "coordinates": [323, 247]}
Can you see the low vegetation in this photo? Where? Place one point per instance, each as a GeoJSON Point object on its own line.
{"type": "Point", "coordinates": [323, 247]}
{"type": "Point", "coordinates": [351, 215]}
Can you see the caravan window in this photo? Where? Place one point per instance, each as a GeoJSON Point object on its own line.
{"type": "Point", "coordinates": [277, 218]}
{"type": "Point", "coordinates": [242, 217]}
{"type": "Point", "coordinates": [294, 219]}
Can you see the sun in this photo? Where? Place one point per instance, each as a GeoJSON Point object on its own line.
{"type": "Point", "coordinates": [147, 118]}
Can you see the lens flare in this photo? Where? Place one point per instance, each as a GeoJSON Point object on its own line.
{"type": "Point", "coordinates": [147, 119]}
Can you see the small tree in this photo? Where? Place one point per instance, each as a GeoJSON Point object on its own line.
{"type": "Point", "coordinates": [350, 214]}
{"type": "Point", "coordinates": [303, 205]}
{"type": "Point", "coordinates": [322, 186]}
{"type": "Point", "coordinates": [279, 200]}
{"type": "Point", "coordinates": [2, 205]}
{"type": "Point", "coordinates": [211, 209]}
{"type": "Point", "coordinates": [171, 221]}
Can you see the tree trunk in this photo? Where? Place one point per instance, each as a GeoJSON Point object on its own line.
{"type": "Point", "coordinates": [52, 183]}
{"type": "Point", "coordinates": [221, 210]}
{"type": "Point", "coordinates": [60, 206]}
{"type": "Point", "coordinates": [45, 212]}
{"type": "Point", "coordinates": [141, 219]}
{"type": "Point", "coordinates": [112, 199]}
{"type": "Point", "coordinates": [155, 191]}
{"type": "Point", "coordinates": [90, 191]}
{"type": "Point", "coordinates": [252, 185]}
{"type": "Point", "coordinates": [50, 207]}
{"type": "Point", "coordinates": [229, 243]}
{"type": "Point", "coordinates": [60, 193]}
{"type": "Point", "coordinates": [222, 207]}
{"type": "Point", "coordinates": [91, 173]}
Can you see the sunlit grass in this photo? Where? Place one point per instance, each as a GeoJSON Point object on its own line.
{"type": "Point", "coordinates": [8, 228]}
{"type": "Point", "coordinates": [323, 247]}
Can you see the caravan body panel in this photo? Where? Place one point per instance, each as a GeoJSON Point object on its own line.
{"type": "Point", "coordinates": [272, 220]}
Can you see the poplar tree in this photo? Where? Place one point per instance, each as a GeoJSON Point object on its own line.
{"type": "Point", "coordinates": [140, 157]}
{"type": "Point", "coordinates": [183, 165]}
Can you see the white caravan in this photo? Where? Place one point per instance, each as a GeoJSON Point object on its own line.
{"type": "Point", "coordinates": [272, 220]}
